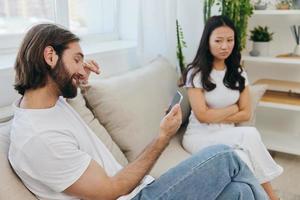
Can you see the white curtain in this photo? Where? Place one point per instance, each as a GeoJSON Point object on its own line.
{"type": "Point", "coordinates": [157, 30]}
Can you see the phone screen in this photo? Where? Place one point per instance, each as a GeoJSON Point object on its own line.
{"type": "Point", "coordinates": [176, 99]}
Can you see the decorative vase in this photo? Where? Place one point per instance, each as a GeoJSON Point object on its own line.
{"type": "Point", "coordinates": [262, 48]}
{"type": "Point", "coordinates": [254, 53]}
{"type": "Point", "coordinates": [260, 6]}
{"type": "Point", "coordinates": [297, 4]}
{"type": "Point", "coordinates": [297, 50]}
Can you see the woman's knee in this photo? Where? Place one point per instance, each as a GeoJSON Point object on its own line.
{"type": "Point", "coordinates": [253, 134]}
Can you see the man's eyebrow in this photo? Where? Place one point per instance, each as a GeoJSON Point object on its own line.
{"type": "Point", "coordinates": [79, 54]}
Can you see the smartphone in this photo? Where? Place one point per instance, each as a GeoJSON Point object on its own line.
{"type": "Point", "coordinates": [176, 100]}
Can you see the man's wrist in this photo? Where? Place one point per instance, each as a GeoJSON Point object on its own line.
{"type": "Point", "coordinates": [163, 138]}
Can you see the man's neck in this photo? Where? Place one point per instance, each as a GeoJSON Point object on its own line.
{"type": "Point", "coordinates": [41, 98]}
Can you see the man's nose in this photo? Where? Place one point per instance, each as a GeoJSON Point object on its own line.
{"type": "Point", "coordinates": [81, 69]}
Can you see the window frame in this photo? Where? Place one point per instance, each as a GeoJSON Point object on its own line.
{"type": "Point", "coordinates": [11, 42]}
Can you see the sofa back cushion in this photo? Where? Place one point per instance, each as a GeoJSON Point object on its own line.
{"type": "Point", "coordinates": [130, 106]}
{"type": "Point", "coordinates": [79, 104]}
{"type": "Point", "coordinates": [11, 187]}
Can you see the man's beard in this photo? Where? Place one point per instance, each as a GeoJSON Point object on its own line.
{"type": "Point", "coordinates": [63, 80]}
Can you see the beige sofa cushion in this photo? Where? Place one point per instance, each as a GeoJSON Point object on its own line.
{"type": "Point", "coordinates": [11, 187]}
{"type": "Point", "coordinates": [79, 104]}
{"type": "Point", "coordinates": [256, 93]}
{"type": "Point", "coordinates": [171, 156]}
{"type": "Point", "coordinates": [130, 106]}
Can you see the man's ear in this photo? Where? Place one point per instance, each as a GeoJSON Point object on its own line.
{"type": "Point", "coordinates": [50, 56]}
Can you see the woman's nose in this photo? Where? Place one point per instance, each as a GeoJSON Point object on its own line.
{"type": "Point", "coordinates": [224, 45]}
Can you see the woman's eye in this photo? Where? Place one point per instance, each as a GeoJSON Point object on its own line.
{"type": "Point", "coordinates": [218, 41]}
{"type": "Point", "coordinates": [77, 61]}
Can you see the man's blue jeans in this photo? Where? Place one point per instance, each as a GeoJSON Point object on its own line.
{"type": "Point", "coordinates": [214, 173]}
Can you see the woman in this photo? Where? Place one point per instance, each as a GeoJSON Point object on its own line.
{"type": "Point", "coordinates": [219, 96]}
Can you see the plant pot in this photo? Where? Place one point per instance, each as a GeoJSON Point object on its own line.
{"type": "Point", "coordinates": [283, 6]}
{"type": "Point", "coordinates": [262, 48]}
{"type": "Point", "coordinates": [260, 6]}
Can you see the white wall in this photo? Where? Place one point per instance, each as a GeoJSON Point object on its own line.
{"type": "Point", "coordinates": [190, 16]}
{"type": "Point", "coordinates": [129, 19]}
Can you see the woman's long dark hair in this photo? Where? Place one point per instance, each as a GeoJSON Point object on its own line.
{"type": "Point", "coordinates": [204, 59]}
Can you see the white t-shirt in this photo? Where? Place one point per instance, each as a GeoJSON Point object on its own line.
{"type": "Point", "coordinates": [219, 97]}
{"type": "Point", "coordinates": [51, 148]}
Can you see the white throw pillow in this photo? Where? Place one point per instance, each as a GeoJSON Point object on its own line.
{"type": "Point", "coordinates": [131, 106]}
{"type": "Point", "coordinates": [79, 104]}
{"type": "Point", "coordinates": [256, 93]}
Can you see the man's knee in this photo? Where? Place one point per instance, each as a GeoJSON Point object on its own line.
{"type": "Point", "coordinates": [237, 191]}
{"type": "Point", "coordinates": [221, 152]}
{"type": "Point", "coordinates": [215, 150]}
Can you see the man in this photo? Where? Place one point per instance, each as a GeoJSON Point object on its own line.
{"type": "Point", "coordinates": [58, 157]}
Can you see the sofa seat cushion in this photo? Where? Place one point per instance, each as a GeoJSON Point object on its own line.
{"type": "Point", "coordinates": [172, 155]}
{"type": "Point", "coordinates": [11, 187]}
{"type": "Point", "coordinates": [79, 104]}
{"type": "Point", "coordinates": [130, 106]}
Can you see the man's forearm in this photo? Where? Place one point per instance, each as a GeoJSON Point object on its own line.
{"type": "Point", "coordinates": [128, 178]}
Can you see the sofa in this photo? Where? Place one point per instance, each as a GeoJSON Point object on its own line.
{"type": "Point", "coordinates": [124, 111]}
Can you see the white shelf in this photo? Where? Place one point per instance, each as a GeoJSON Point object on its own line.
{"type": "Point", "coordinates": [270, 60]}
{"type": "Point", "coordinates": [282, 142]}
{"type": "Point", "coordinates": [279, 106]}
{"type": "Point", "coordinates": [276, 12]}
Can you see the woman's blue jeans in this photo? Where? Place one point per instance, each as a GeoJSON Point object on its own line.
{"type": "Point", "coordinates": [213, 173]}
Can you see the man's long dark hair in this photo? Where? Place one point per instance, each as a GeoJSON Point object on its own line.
{"type": "Point", "coordinates": [204, 59]}
{"type": "Point", "coordinates": [30, 66]}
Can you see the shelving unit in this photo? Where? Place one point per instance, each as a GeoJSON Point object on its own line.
{"type": "Point", "coordinates": [270, 59]}
{"type": "Point", "coordinates": [277, 141]}
{"type": "Point", "coordinates": [276, 12]}
{"type": "Point", "coordinates": [278, 113]}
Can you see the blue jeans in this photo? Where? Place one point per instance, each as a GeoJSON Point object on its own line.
{"type": "Point", "coordinates": [213, 173]}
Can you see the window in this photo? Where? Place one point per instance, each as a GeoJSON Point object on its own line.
{"type": "Point", "coordinates": [92, 18]}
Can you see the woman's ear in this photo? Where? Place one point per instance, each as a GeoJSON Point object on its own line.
{"type": "Point", "coordinates": [50, 56]}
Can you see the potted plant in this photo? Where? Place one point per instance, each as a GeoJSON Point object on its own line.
{"type": "Point", "coordinates": [261, 38]}
{"type": "Point", "coordinates": [284, 4]}
{"type": "Point", "coordinates": [180, 45]}
{"type": "Point", "coordinates": [238, 11]}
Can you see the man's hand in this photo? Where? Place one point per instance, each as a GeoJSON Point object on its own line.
{"type": "Point", "coordinates": [171, 122]}
{"type": "Point", "coordinates": [89, 66]}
